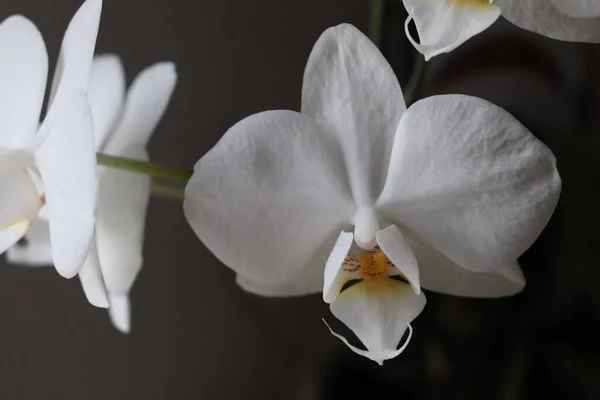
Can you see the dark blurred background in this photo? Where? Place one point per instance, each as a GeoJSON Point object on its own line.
{"type": "Point", "coordinates": [196, 335]}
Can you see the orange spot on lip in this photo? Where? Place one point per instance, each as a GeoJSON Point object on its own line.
{"type": "Point", "coordinates": [373, 264]}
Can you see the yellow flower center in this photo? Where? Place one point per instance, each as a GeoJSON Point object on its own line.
{"type": "Point", "coordinates": [373, 264]}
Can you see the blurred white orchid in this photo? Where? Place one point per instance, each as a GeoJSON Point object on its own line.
{"type": "Point", "coordinates": [444, 25]}
{"type": "Point", "coordinates": [48, 169]}
{"type": "Point", "coordinates": [123, 127]}
{"type": "Point", "coordinates": [445, 195]}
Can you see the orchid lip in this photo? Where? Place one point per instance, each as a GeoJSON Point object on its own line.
{"type": "Point", "coordinates": [370, 265]}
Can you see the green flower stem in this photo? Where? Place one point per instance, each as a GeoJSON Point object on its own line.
{"type": "Point", "coordinates": [377, 7]}
{"type": "Point", "coordinates": [415, 79]}
{"type": "Point", "coordinates": [167, 190]}
{"type": "Point", "coordinates": [163, 172]}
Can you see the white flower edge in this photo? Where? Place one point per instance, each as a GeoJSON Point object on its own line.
{"type": "Point", "coordinates": [454, 183]}
{"type": "Point", "coordinates": [444, 25]}
{"type": "Point", "coordinates": [62, 165]}
{"type": "Point", "coordinates": [243, 200]}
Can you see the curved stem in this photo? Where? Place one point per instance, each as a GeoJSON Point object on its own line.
{"type": "Point", "coordinates": [165, 172]}
{"type": "Point", "coordinates": [166, 190]}
{"type": "Point", "coordinates": [375, 21]}
{"type": "Point", "coordinates": [415, 79]}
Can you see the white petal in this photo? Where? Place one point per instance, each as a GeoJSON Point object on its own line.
{"type": "Point", "coordinates": [67, 163]}
{"type": "Point", "coordinates": [351, 89]}
{"type": "Point", "coordinates": [36, 251]}
{"type": "Point", "coordinates": [334, 277]}
{"type": "Point", "coordinates": [74, 61]}
{"type": "Point", "coordinates": [578, 8]}
{"type": "Point", "coordinates": [23, 73]}
{"type": "Point", "coordinates": [296, 287]}
{"type": "Point", "coordinates": [470, 180]}
{"type": "Point", "coordinates": [439, 274]}
{"type": "Point", "coordinates": [120, 311]}
{"type": "Point", "coordinates": [378, 312]}
{"type": "Point", "coordinates": [20, 199]}
{"type": "Point", "coordinates": [146, 103]}
{"type": "Point", "coordinates": [106, 94]}
{"type": "Point", "coordinates": [542, 16]}
{"type": "Point", "coordinates": [120, 221]}
{"type": "Point", "coordinates": [444, 25]}
{"type": "Point", "coordinates": [396, 248]}
{"type": "Point", "coordinates": [307, 281]}
{"type": "Point", "coordinates": [12, 234]}
{"type": "Point", "coordinates": [91, 279]}
{"type": "Point", "coordinates": [269, 196]}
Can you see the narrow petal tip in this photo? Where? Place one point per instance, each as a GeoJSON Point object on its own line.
{"type": "Point", "coordinates": [67, 273]}
{"type": "Point", "coordinates": [120, 312]}
{"type": "Point", "coordinates": [17, 19]}
{"type": "Point", "coordinates": [164, 70]}
{"type": "Point", "coordinates": [92, 5]}
{"type": "Point", "coordinates": [108, 58]}
{"type": "Point", "coordinates": [100, 302]}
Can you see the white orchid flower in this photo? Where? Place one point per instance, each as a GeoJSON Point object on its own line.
{"type": "Point", "coordinates": [369, 202]}
{"type": "Point", "coordinates": [48, 169]}
{"type": "Point", "coordinates": [443, 25]}
{"type": "Point", "coordinates": [124, 125]}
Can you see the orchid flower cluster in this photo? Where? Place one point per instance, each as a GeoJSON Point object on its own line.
{"type": "Point", "coordinates": [356, 196]}
{"type": "Point", "coordinates": [443, 25]}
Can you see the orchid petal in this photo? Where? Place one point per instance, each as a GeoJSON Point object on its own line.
{"type": "Point", "coordinates": [36, 251]}
{"type": "Point", "coordinates": [74, 61]}
{"type": "Point", "coordinates": [396, 248]}
{"type": "Point", "coordinates": [444, 25]}
{"type": "Point", "coordinates": [91, 279]}
{"type": "Point", "coordinates": [106, 94]}
{"type": "Point", "coordinates": [351, 89]}
{"type": "Point", "coordinates": [120, 219]}
{"type": "Point", "coordinates": [120, 311]}
{"type": "Point", "coordinates": [311, 280]}
{"type": "Point", "coordinates": [124, 196]}
{"type": "Point", "coordinates": [12, 234]}
{"type": "Point", "coordinates": [295, 287]}
{"type": "Point", "coordinates": [146, 103]}
{"type": "Point", "coordinates": [578, 8]}
{"type": "Point", "coordinates": [20, 200]}
{"type": "Point", "coordinates": [543, 17]}
{"type": "Point", "coordinates": [470, 180]}
{"type": "Point", "coordinates": [333, 268]}
{"type": "Point", "coordinates": [23, 73]}
{"type": "Point", "coordinates": [441, 275]}
{"type": "Point", "coordinates": [378, 311]}
{"type": "Point", "coordinates": [307, 281]}
{"type": "Point", "coordinates": [67, 163]}
{"type": "Point", "coordinates": [269, 196]}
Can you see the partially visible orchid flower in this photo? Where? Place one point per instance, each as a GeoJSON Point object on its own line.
{"type": "Point", "coordinates": [48, 169]}
{"type": "Point", "coordinates": [123, 126]}
{"type": "Point", "coordinates": [443, 25]}
{"type": "Point", "coordinates": [368, 202]}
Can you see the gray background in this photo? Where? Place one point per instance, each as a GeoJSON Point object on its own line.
{"type": "Point", "coordinates": [195, 334]}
